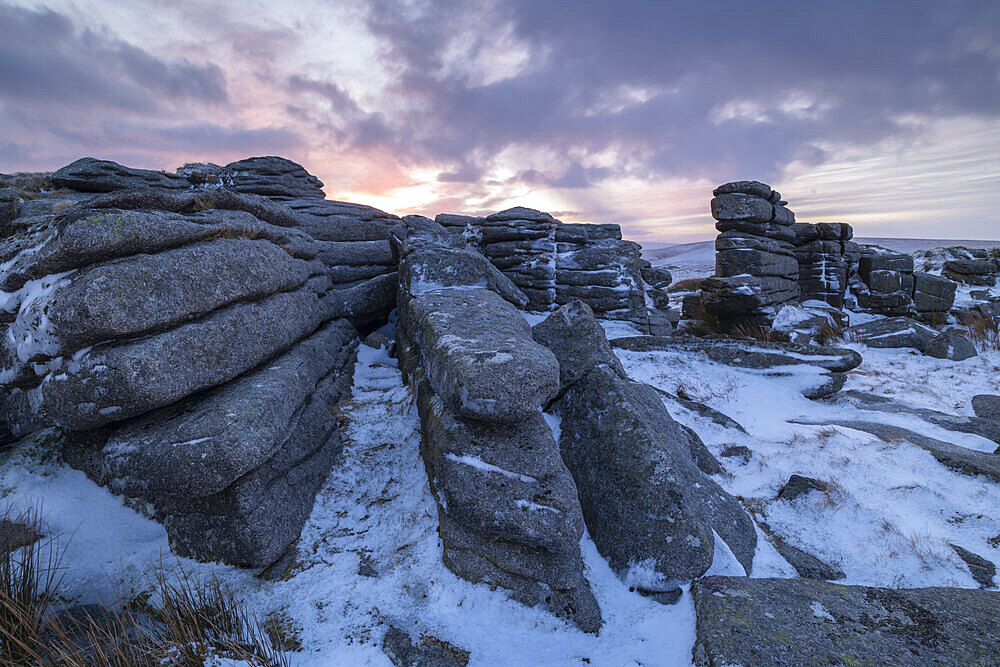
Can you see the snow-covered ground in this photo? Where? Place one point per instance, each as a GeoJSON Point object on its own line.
{"type": "Point", "coordinates": [887, 519]}
{"type": "Point", "coordinates": [892, 509]}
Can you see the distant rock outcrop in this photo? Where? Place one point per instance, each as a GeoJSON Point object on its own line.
{"type": "Point", "coordinates": [554, 262]}
{"type": "Point", "coordinates": [765, 259]}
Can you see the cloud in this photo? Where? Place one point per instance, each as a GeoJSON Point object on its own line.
{"type": "Point", "coordinates": [67, 90]}
{"type": "Point", "coordinates": [690, 89]}
{"type": "Point", "coordinates": [626, 111]}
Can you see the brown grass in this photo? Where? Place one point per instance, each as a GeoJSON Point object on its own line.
{"type": "Point", "coordinates": [689, 285]}
{"type": "Point", "coordinates": [29, 578]}
{"type": "Point", "coordinates": [750, 331]}
{"type": "Point", "coordinates": [193, 619]}
{"type": "Point", "coordinates": [982, 329]}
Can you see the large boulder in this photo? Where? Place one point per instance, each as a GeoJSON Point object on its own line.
{"type": "Point", "coordinates": [121, 379]}
{"type": "Point", "coordinates": [952, 344]}
{"type": "Point", "coordinates": [647, 504]}
{"type": "Point", "coordinates": [479, 356]}
{"type": "Point", "coordinates": [891, 332]}
{"type": "Point", "coordinates": [272, 177]}
{"type": "Point", "coordinates": [507, 508]}
{"type": "Point", "coordinates": [233, 473]}
{"type": "Point", "coordinates": [743, 621]}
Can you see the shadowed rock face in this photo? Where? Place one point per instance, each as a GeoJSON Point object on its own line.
{"type": "Point", "coordinates": [646, 502]}
{"type": "Point", "coordinates": [743, 621]}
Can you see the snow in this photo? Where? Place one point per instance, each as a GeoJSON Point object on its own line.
{"type": "Point", "coordinates": [377, 504]}
{"type": "Point", "coordinates": [479, 464]}
{"type": "Point", "coordinates": [892, 509]}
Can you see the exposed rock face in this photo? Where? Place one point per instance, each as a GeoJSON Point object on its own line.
{"type": "Point", "coordinates": [974, 268]}
{"type": "Point", "coordinates": [91, 175]}
{"type": "Point", "coordinates": [191, 337]}
{"type": "Point", "coordinates": [743, 621]}
{"type": "Point", "coordinates": [10, 206]}
{"type": "Point", "coordinates": [823, 251]}
{"type": "Point", "coordinates": [233, 473]}
{"type": "Point", "coordinates": [952, 344]}
{"type": "Point", "coordinates": [554, 262]}
{"type": "Point", "coordinates": [507, 506]}
{"type": "Point", "coordinates": [756, 267]}
{"type": "Point", "coordinates": [647, 504]}
{"type": "Point", "coordinates": [428, 651]}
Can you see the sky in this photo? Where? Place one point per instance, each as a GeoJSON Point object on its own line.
{"type": "Point", "coordinates": [882, 114]}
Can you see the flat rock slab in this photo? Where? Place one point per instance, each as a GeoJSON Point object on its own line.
{"type": "Point", "coordinates": [747, 622]}
{"type": "Point", "coordinates": [479, 354]}
{"type": "Point", "coordinates": [891, 332]}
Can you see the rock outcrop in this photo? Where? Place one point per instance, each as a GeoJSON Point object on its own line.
{"type": "Point", "coordinates": [554, 262]}
{"type": "Point", "coordinates": [190, 335]}
{"type": "Point", "coordinates": [507, 506]}
{"type": "Point", "coordinates": [886, 284]}
{"type": "Point", "coordinates": [649, 508]}
{"type": "Point", "coordinates": [765, 259]}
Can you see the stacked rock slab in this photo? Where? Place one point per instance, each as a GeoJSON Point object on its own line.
{"type": "Point", "coordinates": [824, 252]}
{"type": "Point", "coordinates": [887, 285]}
{"type": "Point", "coordinates": [507, 506]}
{"type": "Point", "coordinates": [974, 268]}
{"type": "Point", "coordinates": [756, 267]}
{"type": "Point", "coordinates": [190, 338]}
{"type": "Point", "coordinates": [649, 507]}
{"type": "Point", "coordinates": [554, 262]}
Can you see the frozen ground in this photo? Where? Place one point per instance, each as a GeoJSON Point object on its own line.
{"type": "Point", "coordinates": [887, 519]}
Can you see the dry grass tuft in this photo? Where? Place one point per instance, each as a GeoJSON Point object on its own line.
{"type": "Point", "coordinates": [983, 330]}
{"type": "Point", "coordinates": [194, 619]}
{"type": "Point", "coordinates": [29, 578]}
{"type": "Point", "coordinates": [689, 285]}
{"type": "Point", "coordinates": [750, 331]}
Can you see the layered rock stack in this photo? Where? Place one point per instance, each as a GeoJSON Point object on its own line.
{"type": "Point", "coordinates": [756, 267]}
{"type": "Point", "coordinates": [188, 339]}
{"type": "Point", "coordinates": [824, 252]}
{"type": "Point", "coordinates": [887, 285]}
{"type": "Point", "coordinates": [507, 506]}
{"type": "Point", "coordinates": [976, 268]}
{"type": "Point", "coordinates": [555, 262]}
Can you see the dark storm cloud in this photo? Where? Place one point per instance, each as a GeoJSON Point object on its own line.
{"type": "Point", "coordinates": [724, 88]}
{"type": "Point", "coordinates": [45, 58]}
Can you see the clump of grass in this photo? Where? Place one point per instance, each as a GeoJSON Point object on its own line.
{"type": "Point", "coordinates": [29, 578]}
{"type": "Point", "coordinates": [750, 331]}
{"type": "Point", "coordinates": [186, 619]}
{"type": "Point", "coordinates": [983, 330]}
{"type": "Point", "coordinates": [831, 332]}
